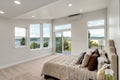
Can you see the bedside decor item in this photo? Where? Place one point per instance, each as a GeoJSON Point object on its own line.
{"type": "Point", "coordinates": [101, 72]}
{"type": "Point", "coordinates": [109, 74]}
{"type": "Point", "coordinates": [105, 73]}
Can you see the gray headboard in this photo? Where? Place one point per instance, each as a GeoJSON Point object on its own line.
{"type": "Point", "coordinates": [113, 58]}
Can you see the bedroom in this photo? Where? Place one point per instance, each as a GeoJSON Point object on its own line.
{"type": "Point", "coordinates": [26, 14]}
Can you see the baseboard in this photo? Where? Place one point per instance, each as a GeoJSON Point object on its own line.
{"type": "Point", "coordinates": [23, 61]}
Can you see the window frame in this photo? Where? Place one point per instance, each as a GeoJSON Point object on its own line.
{"type": "Point", "coordinates": [97, 27]}
{"type": "Point", "coordinates": [94, 21]}
{"type": "Point", "coordinates": [25, 38]}
{"type": "Point", "coordinates": [41, 36]}
{"type": "Point", "coordinates": [61, 31]}
{"type": "Point", "coordinates": [50, 44]}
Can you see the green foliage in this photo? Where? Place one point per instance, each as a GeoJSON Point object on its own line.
{"type": "Point", "coordinates": [22, 41]}
{"type": "Point", "coordinates": [67, 45]}
{"type": "Point", "coordinates": [34, 45]}
{"type": "Point", "coordinates": [109, 77]}
{"type": "Point", "coordinates": [91, 43]}
{"type": "Point", "coordinates": [45, 44]}
{"type": "Point", "coordinates": [59, 44]}
{"type": "Point", "coordinates": [89, 34]}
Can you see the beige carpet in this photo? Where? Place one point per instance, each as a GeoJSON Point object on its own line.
{"type": "Point", "coordinates": [26, 71]}
{"type": "Point", "coordinates": [27, 76]}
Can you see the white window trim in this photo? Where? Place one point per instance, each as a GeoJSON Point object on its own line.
{"type": "Point", "coordinates": [41, 37]}
{"type": "Point", "coordinates": [50, 45]}
{"type": "Point", "coordinates": [98, 27]}
{"type": "Point", "coordinates": [25, 37]}
{"type": "Point", "coordinates": [61, 31]}
{"type": "Point", "coordinates": [29, 38]}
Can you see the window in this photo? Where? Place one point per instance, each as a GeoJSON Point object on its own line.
{"type": "Point", "coordinates": [46, 35]}
{"type": "Point", "coordinates": [20, 37]}
{"type": "Point", "coordinates": [63, 39]}
{"type": "Point", "coordinates": [96, 35]}
{"type": "Point", "coordinates": [34, 36]}
{"type": "Point", "coordinates": [96, 38]}
{"type": "Point", "coordinates": [63, 27]}
{"type": "Point", "coordinates": [96, 23]}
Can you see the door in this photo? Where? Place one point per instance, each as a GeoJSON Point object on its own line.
{"type": "Point", "coordinates": [67, 42]}
{"type": "Point", "coordinates": [58, 42]}
{"type": "Point", "coordinates": [63, 42]}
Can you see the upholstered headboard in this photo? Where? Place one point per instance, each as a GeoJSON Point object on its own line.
{"type": "Point", "coordinates": [113, 58]}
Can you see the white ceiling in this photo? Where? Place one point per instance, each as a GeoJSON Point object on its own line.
{"type": "Point", "coordinates": [12, 10]}
{"type": "Point", "coordinates": [49, 9]}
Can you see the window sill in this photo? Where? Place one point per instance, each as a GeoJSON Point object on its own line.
{"type": "Point", "coordinates": [40, 49]}
{"type": "Point", "coordinates": [20, 46]}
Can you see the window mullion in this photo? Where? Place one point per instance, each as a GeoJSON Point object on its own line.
{"type": "Point", "coordinates": [41, 36]}
{"type": "Point", "coordinates": [51, 37]}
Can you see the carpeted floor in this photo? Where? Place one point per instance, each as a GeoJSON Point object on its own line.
{"type": "Point", "coordinates": [26, 71]}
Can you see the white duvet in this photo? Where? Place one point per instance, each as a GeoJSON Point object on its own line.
{"type": "Point", "coordinates": [63, 67]}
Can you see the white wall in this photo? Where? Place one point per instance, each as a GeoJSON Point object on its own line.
{"type": "Point", "coordinates": [9, 55]}
{"type": "Point", "coordinates": [79, 29]}
{"type": "Point", "coordinates": [114, 24]}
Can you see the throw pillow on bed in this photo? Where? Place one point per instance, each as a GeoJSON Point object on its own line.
{"type": "Point", "coordinates": [86, 59]}
{"type": "Point", "coordinates": [96, 52]}
{"type": "Point", "coordinates": [93, 63]}
{"type": "Point", "coordinates": [103, 59]}
{"type": "Point", "coordinates": [80, 58]}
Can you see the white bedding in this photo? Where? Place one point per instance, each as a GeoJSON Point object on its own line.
{"type": "Point", "coordinates": [63, 67]}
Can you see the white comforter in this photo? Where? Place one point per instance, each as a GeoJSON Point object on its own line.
{"type": "Point", "coordinates": [63, 67]}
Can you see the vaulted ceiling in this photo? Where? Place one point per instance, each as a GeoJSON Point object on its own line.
{"type": "Point", "coordinates": [48, 9]}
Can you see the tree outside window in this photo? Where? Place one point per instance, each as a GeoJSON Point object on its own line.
{"type": "Point", "coordinates": [20, 36]}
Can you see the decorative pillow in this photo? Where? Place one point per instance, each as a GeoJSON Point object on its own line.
{"type": "Point", "coordinates": [101, 61]}
{"type": "Point", "coordinates": [86, 59]}
{"type": "Point", "coordinates": [102, 52]}
{"type": "Point", "coordinates": [80, 58]}
{"type": "Point", "coordinates": [93, 63]}
{"type": "Point", "coordinates": [96, 52]}
{"type": "Point", "coordinates": [108, 61]}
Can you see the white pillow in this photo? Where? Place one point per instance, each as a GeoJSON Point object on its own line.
{"type": "Point", "coordinates": [102, 52]}
{"type": "Point", "coordinates": [101, 61]}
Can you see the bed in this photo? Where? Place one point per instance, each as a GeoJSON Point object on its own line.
{"type": "Point", "coordinates": [112, 54]}
{"type": "Point", "coordinates": [63, 67]}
